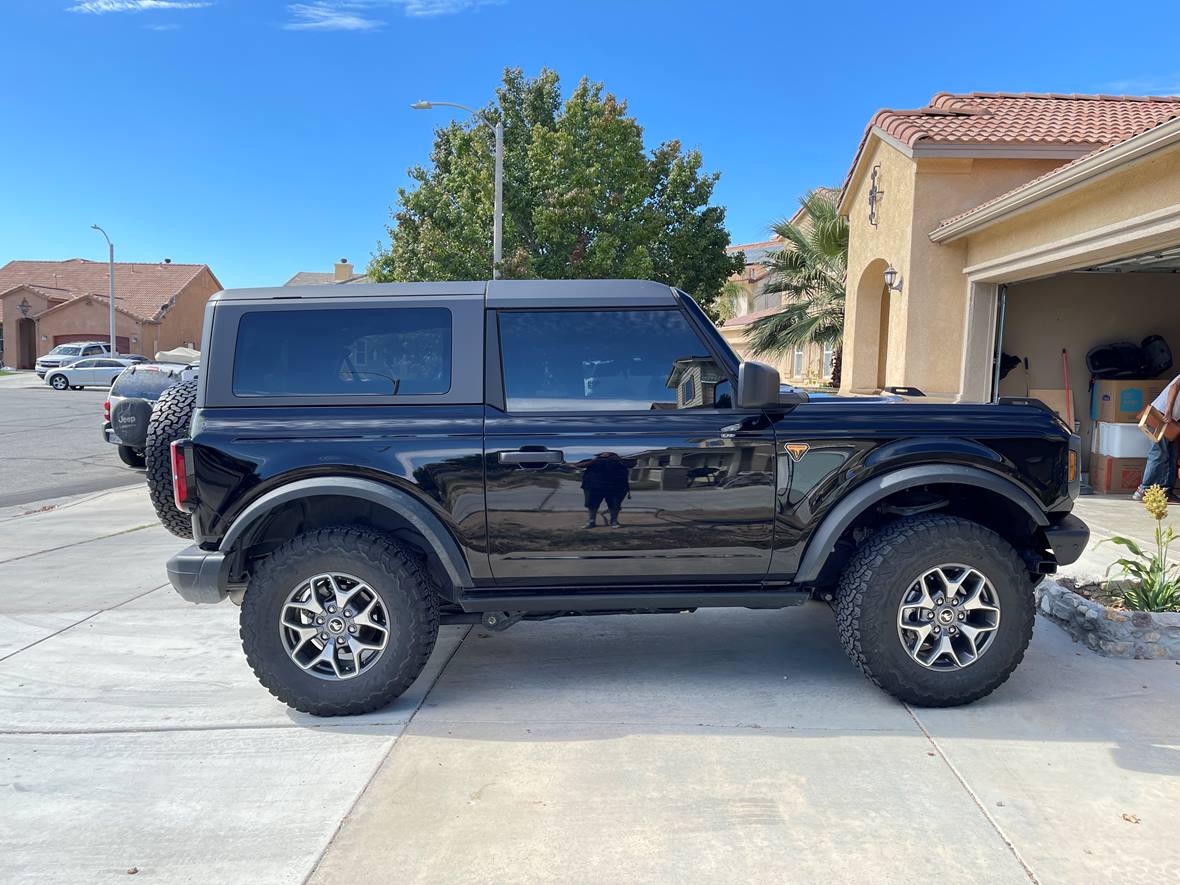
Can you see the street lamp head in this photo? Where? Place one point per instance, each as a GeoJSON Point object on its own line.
{"type": "Point", "coordinates": [421, 105]}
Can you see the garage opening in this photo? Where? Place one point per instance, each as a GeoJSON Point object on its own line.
{"type": "Point", "coordinates": [1128, 300]}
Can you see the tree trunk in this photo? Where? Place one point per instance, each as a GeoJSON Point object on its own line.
{"type": "Point", "coordinates": [837, 359]}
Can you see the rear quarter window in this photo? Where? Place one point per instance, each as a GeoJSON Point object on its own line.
{"type": "Point", "coordinates": [383, 352]}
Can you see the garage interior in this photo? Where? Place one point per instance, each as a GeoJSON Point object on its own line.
{"type": "Point", "coordinates": [1120, 300]}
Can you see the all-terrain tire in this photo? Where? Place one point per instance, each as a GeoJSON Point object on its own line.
{"type": "Point", "coordinates": [393, 573]}
{"type": "Point", "coordinates": [171, 416]}
{"type": "Point", "coordinates": [880, 574]}
{"type": "Point", "coordinates": [130, 456]}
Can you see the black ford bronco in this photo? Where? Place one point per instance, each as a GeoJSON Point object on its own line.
{"type": "Point", "coordinates": [363, 463]}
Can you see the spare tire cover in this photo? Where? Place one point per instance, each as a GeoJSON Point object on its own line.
{"type": "Point", "coordinates": [129, 421]}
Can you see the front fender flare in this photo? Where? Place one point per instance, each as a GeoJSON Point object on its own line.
{"type": "Point", "coordinates": [424, 521]}
{"type": "Point", "coordinates": [839, 518]}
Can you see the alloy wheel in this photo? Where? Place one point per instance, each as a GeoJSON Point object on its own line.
{"type": "Point", "coordinates": [947, 618]}
{"type": "Point", "coordinates": [334, 626]}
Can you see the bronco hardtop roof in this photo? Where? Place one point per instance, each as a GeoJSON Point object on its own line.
{"type": "Point", "coordinates": [496, 293]}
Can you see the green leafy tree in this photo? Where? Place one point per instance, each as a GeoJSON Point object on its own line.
{"type": "Point", "coordinates": [583, 198]}
{"type": "Point", "coordinates": [810, 269]}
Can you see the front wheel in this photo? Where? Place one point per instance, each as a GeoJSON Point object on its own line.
{"type": "Point", "coordinates": [59, 382]}
{"type": "Point", "coordinates": [338, 621]}
{"type": "Point", "coordinates": [936, 610]}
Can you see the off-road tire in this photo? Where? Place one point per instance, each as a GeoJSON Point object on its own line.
{"type": "Point", "coordinates": [131, 457]}
{"type": "Point", "coordinates": [171, 416]}
{"type": "Point", "coordinates": [880, 573]}
{"type": "Point", "coordinates": [390, 570]}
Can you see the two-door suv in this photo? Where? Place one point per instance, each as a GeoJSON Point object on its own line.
{"type": "Point", "coordinates": [364, 463]}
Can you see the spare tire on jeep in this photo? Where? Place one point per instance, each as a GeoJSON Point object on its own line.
{"type": "Point", "coordinates": [170, 419]}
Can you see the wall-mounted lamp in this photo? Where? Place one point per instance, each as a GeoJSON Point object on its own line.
{"type": "Point", "coordinates": [892, 279]}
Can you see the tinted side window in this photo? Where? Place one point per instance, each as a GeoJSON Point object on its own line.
{"type": "Point", "coordinates": [620, 360]}
{"type": "Point", "coordinates": [335, 352]}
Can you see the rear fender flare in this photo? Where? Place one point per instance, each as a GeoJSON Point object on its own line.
{"type": "Point", "coordinates": [823, 540]}
{"type": "Point", "coordinates": [424, 521]}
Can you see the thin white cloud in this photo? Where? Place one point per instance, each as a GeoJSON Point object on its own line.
{"type": "Point", "coordinates": [171, 26]}
{"type": "Point", "coordinates": [359, 15]}
{"type": "Point", "coordinates": [328, 17]}
{"type": "Point", "coordinates": [102, 7]}
{"type": "Point", "coordinates": [1159, 84]}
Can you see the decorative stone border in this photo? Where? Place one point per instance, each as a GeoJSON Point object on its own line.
{"type": "Point", "coordinates": [1109, 631]}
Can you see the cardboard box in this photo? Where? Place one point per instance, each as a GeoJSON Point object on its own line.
{"type": "Point", "coordinates": [1056, 400]}
{"type": "Point", "coordinates": [1116, 474]}
{"type": "Point", "coordinates": [1120, 401]}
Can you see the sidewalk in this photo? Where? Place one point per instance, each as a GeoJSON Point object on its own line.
{"type": "Point", "coordinates": [718, 746]}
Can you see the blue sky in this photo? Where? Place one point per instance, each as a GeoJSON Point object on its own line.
{"type": "Point", "coordinates": [265, 137]}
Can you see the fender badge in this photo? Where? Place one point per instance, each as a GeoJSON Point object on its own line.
{"type": "Point", "coordinates": [796, 450]}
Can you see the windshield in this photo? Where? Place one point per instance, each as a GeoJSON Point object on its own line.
{"type": "Point", "coordinates": [66, 350]}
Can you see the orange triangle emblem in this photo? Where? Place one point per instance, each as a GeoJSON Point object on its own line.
{"type": "Point", "coordinates": [796, 450]}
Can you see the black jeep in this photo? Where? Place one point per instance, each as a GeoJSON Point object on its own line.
{"type": "Point", "coordinates": [367, 462]}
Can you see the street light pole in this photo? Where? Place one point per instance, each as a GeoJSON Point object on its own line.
{"type": "Point", "coordinates": [111, 280]}
{"type": "Point", "coordinates": [498, 205]}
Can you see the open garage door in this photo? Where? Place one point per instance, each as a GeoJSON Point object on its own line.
{"type": "Point", "coordinates": [1127, 299]}
{"type": "Point", "coordinates": [122, 342]}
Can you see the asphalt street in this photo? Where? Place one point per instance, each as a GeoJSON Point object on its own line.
{"type": "Point", "coordinates": [51, 443]}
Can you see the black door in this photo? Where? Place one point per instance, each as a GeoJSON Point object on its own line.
{"type": "Point", "coordinates": [618, 454]}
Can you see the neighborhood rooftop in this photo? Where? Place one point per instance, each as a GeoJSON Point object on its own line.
{"type": "Point", "coordinates": [141, 289]}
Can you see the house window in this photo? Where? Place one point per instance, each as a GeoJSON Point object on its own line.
{"type": "Point", "coordinates": [797, 364]}
{"type": "Point", "coordinates": [827, 369]}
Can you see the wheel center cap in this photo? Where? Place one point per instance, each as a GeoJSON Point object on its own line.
{"type": "Point", "coordinates": [946, 615]}
{"type": "Point", "coordinates": [336, 625]}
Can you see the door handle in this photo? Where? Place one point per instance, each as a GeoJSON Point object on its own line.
{"type": "Point", "coordinates": [532, 460]}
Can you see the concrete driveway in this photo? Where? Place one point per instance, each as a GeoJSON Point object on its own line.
{"type": "Point", "coordinates": [52, 442]}
{"type": "Point", "coordinates": [714, 747]}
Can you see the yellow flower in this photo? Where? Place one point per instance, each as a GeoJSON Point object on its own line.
{"type": "Point", "coordinates": [1155, 501]}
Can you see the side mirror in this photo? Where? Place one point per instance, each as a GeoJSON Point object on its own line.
{"type": "Point", "coordinates": [757, 386]}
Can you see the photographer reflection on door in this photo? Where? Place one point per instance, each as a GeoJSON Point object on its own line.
{"type": "Point", "coordinates": [605, 477]}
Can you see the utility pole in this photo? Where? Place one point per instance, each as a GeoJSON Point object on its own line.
{"type": "Point", "coordinates": [111, 281]}
{"type": "Point", "coordinates": [498, 202]}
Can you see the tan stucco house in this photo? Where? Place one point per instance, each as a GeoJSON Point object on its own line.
{"type": "Point", "coordinates": [1016, 224]}
{"type": "Point", "coordinates": [341, 272]}
{"type": "Point", "coordinates": [46, 303]}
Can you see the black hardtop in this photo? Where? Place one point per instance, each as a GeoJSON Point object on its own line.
{"type": "Point", "coordinates": [496, 293]}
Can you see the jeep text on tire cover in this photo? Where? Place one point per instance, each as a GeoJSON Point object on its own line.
{"type": "Point", "coordinates": [358, 466]}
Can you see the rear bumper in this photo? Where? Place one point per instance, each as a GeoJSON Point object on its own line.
{"type": "Point", "coordinates": [198, 575]}
{"type": "Point", "coordinates": [1067, 536]}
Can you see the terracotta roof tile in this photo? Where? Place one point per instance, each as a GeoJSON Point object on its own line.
{"type": "Point", "coordinates": [999, 118]}
{"type": "Point", "coordinates": [1045, 175]}
{"type": "Point", "coordinates": [142, 290]}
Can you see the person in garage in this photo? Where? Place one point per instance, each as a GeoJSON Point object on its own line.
{"type": "Point", "coordinates": [1160, 469]}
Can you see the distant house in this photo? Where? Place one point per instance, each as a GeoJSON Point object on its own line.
{"type": "Point", "coordinates": [46, 303]}
{"type": "Point", "coordinates": [342, 272]}
{"type": "Point", "coordinates": [811, 363]}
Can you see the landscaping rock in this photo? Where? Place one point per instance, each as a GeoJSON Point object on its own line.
{"type": "Point", "coordinates": [1110, 631]}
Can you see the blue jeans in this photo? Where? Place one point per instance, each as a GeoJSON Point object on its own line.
{"type": "Point", "coordinates": [1161, 466]}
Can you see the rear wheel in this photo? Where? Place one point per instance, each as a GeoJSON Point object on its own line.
{"type": "Point", "coordinates": [936, 610]}
{"type": "Point", "coordinates": [170, 420]}
{"type": "Point", "coordinates": [338, 621]}
{"type": "Point", "coordinates": [131, 457]}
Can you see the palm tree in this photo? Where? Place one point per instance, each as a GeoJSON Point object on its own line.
{"type": "Point", "coordinates": [810, 269]}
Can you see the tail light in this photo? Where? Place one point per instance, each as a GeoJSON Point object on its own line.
{"type": "Point", "coordinates": [182, 475]}
{"type": "Point", "coordinates": [106, 411]}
